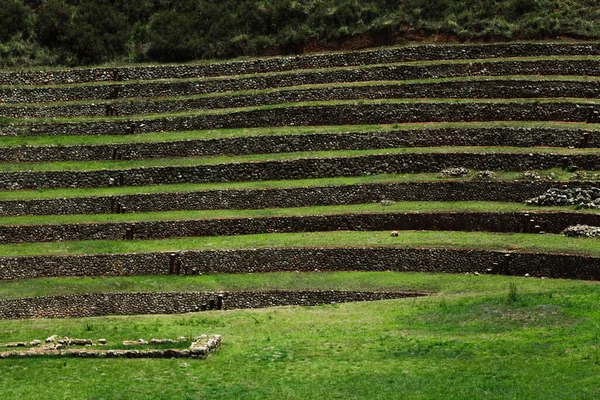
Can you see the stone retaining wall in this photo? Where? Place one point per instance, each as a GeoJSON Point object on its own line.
{"type": "Point", "coordinates": [399, 259]}
{"type": "Point", "coordinates": [340, 114]}
{"type": "Point", "coordinates": [529, 222]}
{"type": "Point", "coordinates": [296, 169]}
{"type": "Point", "coordinates": [389, 55]}
{"type": "Point", "coordinates": [99, 304]}
{"type": "Point", "coordinates": [478, 89]}
{"type": "Point", "coordinates": [459, 190]}
{"type": "Point", "coordinates": [517, 137]}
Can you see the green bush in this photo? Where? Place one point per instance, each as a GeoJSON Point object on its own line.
{"type": "Point", "coordinates": [15, 18]}
{"type": "Point", "coordinates": [91, 31]}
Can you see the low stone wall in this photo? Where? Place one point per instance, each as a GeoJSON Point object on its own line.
{"type": "Point", "coordinates": [518, 137]}
{"type": "Point", "coordinates": [529, 222]}
{"type": "Point", "coordinates": [458, 190]}
{"type": "Point", "coordinates": [401, 259]}
{"type": "Point", "coordinates": [329, 60]}
{"type": "Point", "coordinates": [340, 114]}
{"type": "Point", "coordinates": [296, 169]}
{"type": "Point", "coordinates": [199, 349]}
{"type": "Point", "coordinates": [99, 304]}
{"type": "Point", "coordinates": [478, 89]}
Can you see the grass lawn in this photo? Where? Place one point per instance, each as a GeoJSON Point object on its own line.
{"type": "Point", "coordinates": [12, 141]}
{"type": "Point", "coordinates": [370, 208]}
{"type": "Point", "coordinates": [476, 338]}
{"type": "Point", "coordinates": [559, 175]}
{"type": "Point", "coordinates": [550, 243]}
{"type": "Point", "coordinates": [215, 160]}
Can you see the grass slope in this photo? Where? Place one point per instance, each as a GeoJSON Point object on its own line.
{"type": "Point", "coordinates": [549, 243]}
{"type": "Point", "coordinates": [476, 339]}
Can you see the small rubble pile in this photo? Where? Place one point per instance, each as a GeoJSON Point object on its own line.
{"type": "Point", "coordinates": [582, 231]}
{"type": "Point", "coordinates": [584, 176]}
{"type": "Point", "coordinates": [484, 176]}
{"type": "Point", "coordinates": [580, 197]}
{"type": "Point", "coordinates": [537, 176]}
{"type": "Point", "coordinates": [457, 172]}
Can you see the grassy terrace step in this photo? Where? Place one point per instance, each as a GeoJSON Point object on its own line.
{"type": "Point", "coordinates": [125, 165]}
{"type": "Point", "coordinates": [358, 281]}
{"type": "Point", "coordinates": [453, 219]}
{"type": "Point", "coordinates": [141, 119]}
{"type": "Point", "coordinates": [558, 175]}
{"type": "Point", "coordinates": [528, 79]}
{"type": "Point", "coordinates": [455, 88]}
{"type": "Point", "coordinates": [288, 166]}
{"type": "Point", "coordinates": [573, 67]}
{"type": "Point", "coordinates": [367, 112]}
{"type": "Point", "coordinates": [402, 207]}
{"type": "Point", "coordinates": [393, 54]}
{"type": "Point", "coordinates": [286, 194]}
{"type": "Point", "coordinates": [417, 65]}
{"type": "Point", "coordinates": [571, 136]}
{"type": "Point", "coordinates": [548, 243]}
{"type": "Point", "coordinates": [237, 133]}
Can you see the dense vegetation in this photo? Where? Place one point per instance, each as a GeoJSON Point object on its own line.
{"type": "Point", "coordinates": [39, 32]}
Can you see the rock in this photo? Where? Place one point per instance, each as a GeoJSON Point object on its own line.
{"type": "Point", "coordinates": [582, 231]}
{"type": "Point", "coordinates": [139, 342]}
{"type": "Point", "coordinates": [484, 176]}
{"type": "Point", "coordinates": [454, 172]}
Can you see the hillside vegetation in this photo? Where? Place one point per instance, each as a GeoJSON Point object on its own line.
{"type": "Point", "coordinates": [71, 32]}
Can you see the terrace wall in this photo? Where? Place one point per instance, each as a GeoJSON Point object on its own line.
{"type": "Point", "coordinates": [459, 190]}
{"type": "Point", "coordinates": [479, 89]}
{"type": "Point", "coordinates": [295, 169]}
{"type": "Point", "coordinates": [534, 222]}
{"type": "Point", "coordinates": [379, 56]}
{"type": "Point", "coordinates": [305, 259]}
{"type": "Point", "coordinates": [518, 137]}
{"type": "Point", "coordinates": [98, 304]}
{"type": "Point", "coordinates": [340, 114]}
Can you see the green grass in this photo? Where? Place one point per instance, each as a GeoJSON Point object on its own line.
{"type": "Point", "coordinates": [469, 341]}
{"type": "Point", "coordinates": [347, 280]}
{"type": "Point", "coordinates": [12, 141]}
{"type": "Point", "coordinates": [216, 160]}
{"type": "Point", "coordinates": [373, 208]}
{"type": "Point", "coordinates": [559, 174]}
{"type": "Point", "coordinates": [427, 239]}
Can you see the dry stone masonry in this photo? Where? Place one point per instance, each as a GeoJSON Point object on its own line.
{"type": "Point", "coordinates": [99, 304]}
{"type": "Point", "coordinates": [400, 259]}
{"type": "Point", "coordinates": [382, 56]}
{"type": "Point", "coordinates": [200, 348]}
